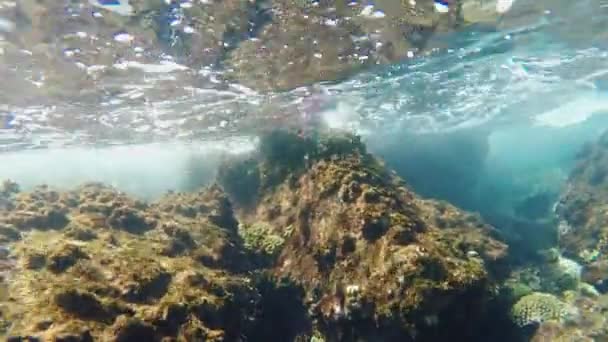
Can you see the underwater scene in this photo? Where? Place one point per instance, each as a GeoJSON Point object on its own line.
{"type": "Point", "coordinates": [304, 170]}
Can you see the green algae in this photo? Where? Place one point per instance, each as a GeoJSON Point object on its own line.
{"type": "Point", "coordinates": [260, 238]}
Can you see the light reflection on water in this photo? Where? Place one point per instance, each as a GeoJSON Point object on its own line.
{"type": "Point", "coordinates": [534, 64]}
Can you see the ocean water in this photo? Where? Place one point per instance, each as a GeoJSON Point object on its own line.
{"type": "Point", "coordinates": [491, 120]}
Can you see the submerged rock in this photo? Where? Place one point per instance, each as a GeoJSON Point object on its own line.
{"type": "Point", "coordinates": [373, 258]}
{"type": "Point", "coordinates": [582, 211]}
{"type": "Point", "coordinates": [94, 279]}
{"type": "Point", "coordinates": [328, 244]}
{"type": "Point", "coordinates": [583, 237]}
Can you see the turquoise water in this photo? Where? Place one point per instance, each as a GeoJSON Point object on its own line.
{"type": "Point", "coordinates": [492, 121]}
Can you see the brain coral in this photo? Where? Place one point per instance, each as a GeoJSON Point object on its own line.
{"type": "Point", "coordinates": [540, 307]}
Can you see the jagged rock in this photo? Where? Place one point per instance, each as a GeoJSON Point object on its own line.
{"type": "Point", "coordinates": [349, 252]}
{"type": "Point", "coordinates": [112, 278]}
{"type": "Point", "coordinates": [65, 257]}
{"type": "Point", "coordinates": [133, 330]}
{"type": "Point", "coordinates": [82, 304]}
{"type": "Point", "coordinates": [9, 233]}
{"type": "Point", "coordinates": [582, 208]}
{"type": "Point", "coordinates": [380, 254]}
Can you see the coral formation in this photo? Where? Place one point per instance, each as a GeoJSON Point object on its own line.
{"type": "Point", "coordinates": [260, 237]}
{"type": "Point", "coordinates": [578, 275]}
{"type": "Point", "coordinates": [582, 209]}
{"type": "Point", "coordinates": [539, 307]}
{"type": "Point", "coordinates": [584, 317]}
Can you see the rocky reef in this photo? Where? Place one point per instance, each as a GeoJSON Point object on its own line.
{"type": "Point", "coordinates": [374, 259]}
{"type": "Point", "coordinates": [582, 212]}
{"type": "Point", "coordinates": [94, 264]}
{"type": "Point", "coordinates": [565, 297]}
{"type": "Point", "coordinates": [316, 241]}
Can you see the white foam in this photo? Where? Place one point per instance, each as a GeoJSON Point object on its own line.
{"type": "Point", "coordinates": [441, 8]}
{"type": "Point", "coordinates": [162, 67]}
{"type": "Point", "coordinates": [146, 171]}
{"type": "Point", "coordinates": [123, 38]}
{"type": "Point", "coordinates": [574, 112]}
{"type": "Point", "coordinates": [503, 6]}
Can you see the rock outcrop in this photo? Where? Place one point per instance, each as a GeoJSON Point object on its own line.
{"type": "Point", "coordinates": [94, 264]}
{"type": "Point", "coordinates": [374, 259]}
{"type": "Point", "coordinates": [312, 235]}
{"type": "Point", "coordinates": [582, 212]}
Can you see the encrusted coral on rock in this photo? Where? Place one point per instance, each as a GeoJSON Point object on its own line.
{"type": "Point", "coordinates": [539, 307]}
{"type": "Point", "coordinates": [583, 230]}
{"type": "Point", "coordinates": [106, 267]}
{"type": "Point", "coordinates": [574, 316]}
{"type": "Point", "coordinates": [374, 258]}
{"type": "Point", "coordinates": [582, 211]}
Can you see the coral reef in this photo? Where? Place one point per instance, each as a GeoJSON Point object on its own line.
{"type": "Point", "coordinates": [576, 277]}
{"type": "Point", "coordinates": [582, 211]}
{"type": "Point", "coordinates": [576, 316]}
{"type": "Point", "coordinates": [374, 259]}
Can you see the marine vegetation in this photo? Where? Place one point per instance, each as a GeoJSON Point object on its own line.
{"type": "Point", "coordinates": [349, 251]}
{"type": "Point", "coordinates": [94, 264]}
{"type": "Point", "coordinates": [575, 274]}
{"type": "Point", "coordinates": [373, 258]}
{"type": "Point", "coordinates": [582, 208]}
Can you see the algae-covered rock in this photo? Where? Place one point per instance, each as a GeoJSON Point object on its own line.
{"type": "Point", "coordinates": [582, 211]}
{"type": "Point", "coordinates": [64, 257]}
{"type": "Point", "coordinates": [348, 251]}
{"type": "Point", "coordinates": [367, 249]}
{"type": "Point", "coordinates": [107, 276]}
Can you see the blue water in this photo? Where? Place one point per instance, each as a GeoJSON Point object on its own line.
{"type": "Point", "coordinates": [492, 118]}
{"type": "Point", "coordinates": [496, 107]}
